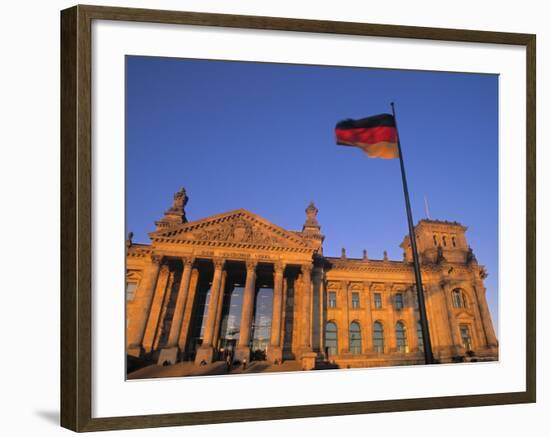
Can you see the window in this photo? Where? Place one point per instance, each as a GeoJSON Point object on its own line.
{"type": "Point", "coordinates": [399, 301]}
{"type": "Point", "coordinates": [378, 337]}
{"type": "Point", "coordinates": [331, 339]}
{"type": "Point", "coordinates": [444, 241]}
{"type": "Point", "coordinates": [415, 298]}
{"type": "Point", "coordinates": [420, 336]}
{"type": "Point", "coordinates": [377, 301]}
{"type": "Point", "coordinates": [453, 240]}
{"type": "Point", "coordinates": [466, 339]}
{"type": "Point", "coordinates": [401, 337]}
{"type": "Point", "coordinates": [355, 300]}
{"type": "Point", "coordinates": [459, 301]}
{"type": "Point", "coordinates": [130, 290]}
{"type": "Point", "coordinates": [435, 240]}
{"type": "Point", "coordinates": [355, 338]}
{"type": "Point", "coordinates": [332, 299]}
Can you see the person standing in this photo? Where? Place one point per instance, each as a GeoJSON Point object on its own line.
{"type": "Point", "coordinates": [228, 363]}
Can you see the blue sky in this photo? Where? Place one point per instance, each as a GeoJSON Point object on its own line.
{"type": "Point", "coordinates": [261, 137]}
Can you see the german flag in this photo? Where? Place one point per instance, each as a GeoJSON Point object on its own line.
{"type": "Point", "coordinates": [376, 135]}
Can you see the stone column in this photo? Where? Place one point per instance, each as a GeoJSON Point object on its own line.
{"type": "Point", "coordinates": [344, 330]}
{"type": "Point", "coordinates": [479, 335]}
{"type": "Point", "coordinates": [412, 337]}
{"type": "Point", "coordinates": [188, 312]}
{"type": "Point", "coordinates": [243, 348]}
{"type": "Point", "coordinates": [284, 315]}
{"type": "Point", "coordinates": [434, 325]}
{"type": "Point", "coordinates": [367, 333]}
{"type": "Point", "coordinates": [306, 308]}
{"type": "Point", "coordinates": [156, 307]}
{"type": "Point", "coordinates": [492, 341]}
{"type": "Point", "coordinates": [307, 355]}
{"type": "Point", "coordinates": [162, 321]}
{"type": "Point", "coordinates": [316, 308]}
{"type": "Point", "coordinates": [298, 291]}
{"type": "Point", "coordinates": [275, 352]}
{"type": "Point", "coordinates": [389, 328]}
{"type": "Point", "coordinates": [322, 314]}
{"type": "Point", "coordinates": [216, 338]}
{"type": "Point", "coordinates": [206, 351]}
{"type": "Point", "coordinates": [171, 352]}
{"type": "Point", "coordinates": [142, 305]}
{"type": "Point", "coordinates": [453, 326]}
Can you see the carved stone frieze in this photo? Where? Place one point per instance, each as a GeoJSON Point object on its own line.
{"type": "Point", "coordinates": [238, 231]}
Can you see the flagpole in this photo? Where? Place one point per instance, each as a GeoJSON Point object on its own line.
{"type": "Point", "coordinates": [428, 354]}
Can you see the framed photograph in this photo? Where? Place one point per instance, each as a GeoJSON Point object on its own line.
{"type": "Point", "coordinates": [268, 218]}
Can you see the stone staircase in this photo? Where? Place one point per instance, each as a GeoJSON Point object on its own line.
{"type": "Point", "coordinates": [188, 368]}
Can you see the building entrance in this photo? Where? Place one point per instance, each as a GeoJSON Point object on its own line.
{"type": "Point", "coordinates": [231, 318]}
{"type": "Point", "coordinates": [261, 325]}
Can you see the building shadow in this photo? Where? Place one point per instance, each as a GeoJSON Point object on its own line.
{"type": "Point", "coordinates": [258, 367]}
{"type": "Point", "coordinates": [326, 365]}
{"type": "Point", "coordinates": [49, 416]}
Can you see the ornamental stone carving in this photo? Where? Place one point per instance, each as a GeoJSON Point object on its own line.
{"type": "Point", "coordinates": [238, 231]}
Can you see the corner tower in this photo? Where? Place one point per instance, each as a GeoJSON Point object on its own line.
{"type": "Point", "coordinates": [437, 240]}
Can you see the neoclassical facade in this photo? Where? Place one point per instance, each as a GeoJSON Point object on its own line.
{"type": "Point", "coordinates": [237, 284]}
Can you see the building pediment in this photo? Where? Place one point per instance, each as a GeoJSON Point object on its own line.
{"type": "Point", "coordinates": [463, 313]}
{"type": "Point", "coordinates": [239, 228]}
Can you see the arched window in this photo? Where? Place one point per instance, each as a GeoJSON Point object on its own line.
{"type": "Point", "coordinates": [355, 338]}
{"type": "Point", "coordinates": [420, 336]}
{"type": "Point", "coordinates": [459, 300]}
{"type": "Point", "coordinates": [444, 241]}
{"type": "Point", "coordinates": [435, 240]}
{"type": "Point", "coordinates": [331, 339]}
{"type": "Point", "coordinates": [378, 337]}
{"type": "Point", "coordinates": [401, 337]}
{"type": "Point", "coordinates": [453, 239]}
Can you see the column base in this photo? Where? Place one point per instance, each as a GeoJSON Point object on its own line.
{"type": "Point", "coordinates": [168, 355]}
{"type": "Point", "coordinates": [242, 353]}
{"type": "Point", "coordinates": [308, 360]}
{"type": "Point", "coordinates": [205, 354]}
{"type": "Point", "coordinates": [275, 354]}
{"type": "Point", "coordinates": [134, 351]}
{"type": "Point", "coordinates": [459, 350]}
{"type": "Point", "coordinates": [493, 350]}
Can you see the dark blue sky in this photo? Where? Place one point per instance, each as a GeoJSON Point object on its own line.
{"type": "Point", "coordinates": [261, 137]}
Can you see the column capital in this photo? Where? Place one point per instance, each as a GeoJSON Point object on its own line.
{"type": "Point", "coordinates": [156, 258]}
{"type": "Point", "coordinates": [251, 264]}
{"type": "Point", "coordinates": [367, 285]}
{"type": "Point", "coordinates": [188, 261]}
{"type": "Point", "coordinates": [218, 263]}
{"type": "Point", "coordinates": [306, 268]}
{"type": "Point", "coordinates": [344, 284]}
{"type": "Point", "coordinates": [279, 267]}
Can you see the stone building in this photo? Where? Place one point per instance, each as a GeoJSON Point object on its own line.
{"type": "Point", "coordinates": [237, 284]}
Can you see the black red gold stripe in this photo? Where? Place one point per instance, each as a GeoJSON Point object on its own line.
{"type": "Point", "coordinates": [376, 135]}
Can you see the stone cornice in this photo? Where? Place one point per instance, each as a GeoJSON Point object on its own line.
{"type": "Point", "coordinates": [360, 265]}
{"type": "Point", "coordinates": [231, 245]}
{"type": "Point", "coordinates": [443, 223]}
{"type": "Point", "coordinates": [139, 251]}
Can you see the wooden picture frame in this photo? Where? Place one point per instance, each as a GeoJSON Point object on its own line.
{"type": "Point", "coordinates": [76, 217]}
